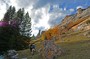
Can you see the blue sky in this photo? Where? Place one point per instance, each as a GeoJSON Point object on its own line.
{"type": "Point", "coordinates": [45, 13]}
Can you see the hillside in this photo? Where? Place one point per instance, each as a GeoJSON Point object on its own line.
{"type": "Point", "coordinates": [75, 46]}
{"type": "Point", "coordinates": [77, 21]}
{"type": "Point", "coordinates": [70, 24]}
{"type": "Point", "coordinates": [73, 36]}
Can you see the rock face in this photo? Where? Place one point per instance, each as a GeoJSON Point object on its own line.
{"type": "Point", "coordinates": [50, 49]}
{"type": "Point", "coordinates": [79, 11]}
{"type": "Point", "coordinates": [12, 54]}
{"type": "Point", "coordinates": [76, 21]}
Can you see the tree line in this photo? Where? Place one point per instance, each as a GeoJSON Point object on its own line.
{"type": "Point", "coordinates": [17, 34]}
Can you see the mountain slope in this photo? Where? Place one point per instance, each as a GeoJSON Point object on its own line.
{"type": "Point", "coordinates": [77, 21]}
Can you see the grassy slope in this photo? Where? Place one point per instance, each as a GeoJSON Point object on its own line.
{"type": "Point", "coordinates": [75, 47]}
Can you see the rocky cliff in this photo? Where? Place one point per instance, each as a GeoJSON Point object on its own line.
{"type": "Point", "coordinates": [78, 21]}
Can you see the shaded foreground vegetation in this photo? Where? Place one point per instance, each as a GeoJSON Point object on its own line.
{"type": "Point", "coordinates": [15, 30]}
{"type": "Point", "coordinates": [75, 46]}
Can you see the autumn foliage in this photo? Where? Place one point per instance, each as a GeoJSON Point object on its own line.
{"type": "Point", "coordinates": [52, 32]}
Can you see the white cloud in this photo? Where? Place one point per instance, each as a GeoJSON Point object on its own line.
{"type": "Point", "coordinates": [57, 15]}
{"type": "Point", "coordinates": [56, 6]}
{"type": "Point", "coordinates": [64, 9]}
{"type": "Point", "coordinates": [2, 10]}
{"type": "Point", "coordinates": [43, 21]}
{"type": "Point", "coordinates": [41, 17]}
{"type": "Point", "coordinates": [79, 7]}
{"type": "Point", "coordinates": [71, 10]}
{"type": "Point", "coordinates": [25, 3]}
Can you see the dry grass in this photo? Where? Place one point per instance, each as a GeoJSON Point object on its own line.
{"type": "Point", "coordinates": [75, 47]}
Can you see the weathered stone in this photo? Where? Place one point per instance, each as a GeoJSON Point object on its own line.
{"type": "Point", "coordinates": [50, 49]}
{"type": "Point", "coordinates": [12, 54]}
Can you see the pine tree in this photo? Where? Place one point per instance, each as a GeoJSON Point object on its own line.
{"type": "Point", "coordinates": [28, 25]}
{"type": "Point", "coordinates": [18, 31]}
{"type": "Point", "coordinates": [9, 14]}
